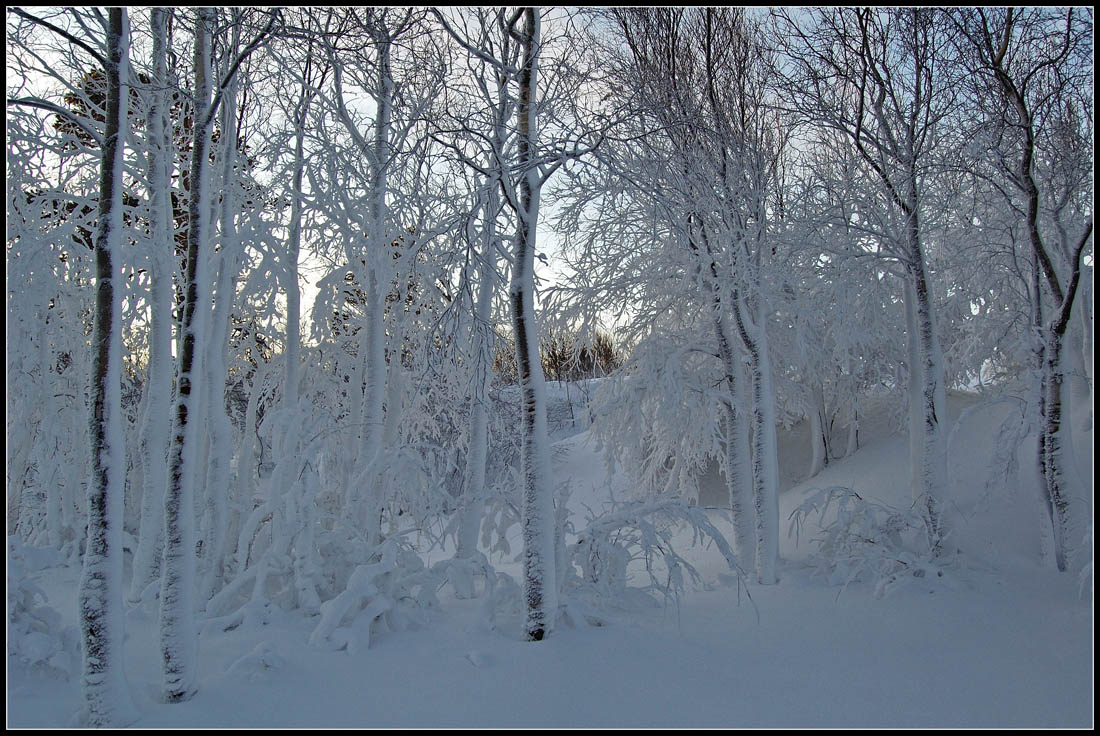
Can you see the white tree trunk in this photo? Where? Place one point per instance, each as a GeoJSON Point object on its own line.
{"type": "Point", "coordinates": [49, 490]}
{"type": "Point", "coordinates": [178, 636]}
{"type": "Point", "coordinates": [473, 504]}
{"type": "Point", "coordinates": [294, 246]}
{"type": "Point", "coordinates": [913, 394]}
{"type": "Point", "coordinates": [156, 422]}
{"type": "Point", "coordinates": [765, 460]}
{"type": "Point", "coordinates": [107, 700]}
{"type": "Point", "coordinates": [738, 456]}
{"type": "Point", "coordinates": [220, 428]}
{"type": "Point", "coordinates": [372, 346]}
{"type": "Point", "coordinates": [765, 455]}
{"type": "Point", "coordinates": [1055, 454]}
{"type": "Point", "coordinates": [539, 574]}
{"type": "Point", "coordinates": [247, 456]}
{"type": "Point", "coordinates": [930, 476]}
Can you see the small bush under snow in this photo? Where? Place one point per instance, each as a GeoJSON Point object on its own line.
{"type": "Point", "coordinates": [867, 541]}
{"type": "Point", "coordinates": [36, 639]}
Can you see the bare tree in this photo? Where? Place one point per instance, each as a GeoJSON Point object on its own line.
{"type": "Point", "coordinates": [1031, 71]}
{"type": "Point", "coordinates": [875, 76]}
{"type": "Point", "coordinates": [697, 158]}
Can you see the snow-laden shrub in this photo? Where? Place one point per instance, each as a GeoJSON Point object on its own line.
{"type": "Point", "coordinates": [627, 558]}
{"type": "Point", "coordinates": [661, 421]}
{"type": "Point", "coordinates": [257, 664]}
{"type": "Point", "coordinates": [624, 560]}
{"type": "Point", "coordinates": [277, 556]}
{"type": "Point", "coordinates": [387, 592]}
{"type": "Point", "coordinates": [36, 639]}
{"type": "Point", "coordinates": [868, 541]}
{"type": "Point", "coordinates": [501, 513]}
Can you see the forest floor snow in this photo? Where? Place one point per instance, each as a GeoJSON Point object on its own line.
{"type": "Point", "coordinates": [999, 641]}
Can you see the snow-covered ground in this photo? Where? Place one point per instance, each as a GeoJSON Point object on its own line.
{"type": "Point", "coordinates": [998, 641]}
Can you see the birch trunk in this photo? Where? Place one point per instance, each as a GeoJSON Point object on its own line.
{"type": "Point", "coordinates": [156, 422]}
{"type": "Point", "coordinates": [107, 700]}
{"type": "Point", "coordinates": [853, 435]}
{"type": "Point", "coordinates": [473, 507]}
{"type": "Point", "coordinates": [1055, 448]}
{"type": "Point", "coordinates": [539, 574]}
{"type": "Point", "coordinates": [294, 247]}
{"type": "Point", "coordinates": [372, 347]}
{"type": "Point", "coordinates": [178, 636]}
{"type": "Point", "coordinates": [247, 456]}
{"type": "Point", "coordinates": [220, 429]}
{"type": "Point", "coordinates": [474, 488]}
{"type": "Point", "coordinates": [765, 456]}
{"type": "Point", "coordinates": [931, 478]}
{"type": "Point", "coordinates": [765, 461]}
{"type": "Point", "coordinates": [738, 458]}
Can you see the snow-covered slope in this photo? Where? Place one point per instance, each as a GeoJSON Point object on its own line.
{"type": "Point", "coordinates": [998, 641]}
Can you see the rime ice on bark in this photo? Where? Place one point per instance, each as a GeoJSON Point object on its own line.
{"type": "Point", "coordinates": [178, 636]}
{"type": "Point", "coordinates": [156, 422]}
{"type": "Point", "coordinates": [540, 580]}
{"type": "Point", "coordinates": [106, 698]}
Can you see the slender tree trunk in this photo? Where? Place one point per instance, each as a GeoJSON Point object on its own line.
{"type": "Point", "coordinates": [178, 636]}
{"type": "Point", "coordinates": [293, 293]}
{"type": "Point", "coordinates": [156, 422]}
{"type": "Point", "coordinates": [927, 395]}
{"type": "Point", "coordinates": [220, 428]}
{"type": "Point", "coordinates": [106, 696]}
{"type": "Point", "coordinates": [765, 457]}
{"type": "Point", "coordinates": [477, 457]}
{"type": "Point", "coordinates": [372, 345]}
{"type": "Point", "coordinates": [473, 507]}
{"type": "Point", "coordinates": [294, 246]}
{"type": "Point", "coordinates": [50, 492]}
{"type": "Point", "coordinates": [1052, 449]}
{"type": "Point", "coordinates": [1038, 398]}
{"type": "Point", "coordinates": [1055, 445]}
{"type": "Point", "coordinates": [539, 574]}
{"type": "Point", "coordinates": [933, 447]}
{"type": "Point", "coordinates": [247, 456]}
{"type": "Point", "coordinates": [738, 458]}
{"type": "Point", "coordinates": [913, 394]}
{"type": "Point", "coordinates": [818, 441]}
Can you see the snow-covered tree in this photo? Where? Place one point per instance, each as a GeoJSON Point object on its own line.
{"type": "Point", "coordinates": [106, 697]}
{"type": "Point", "coordinates": [692, 180]}
{"type": "Point", "coordinates": [179, 640]}
{"type": "Point", "coordinates": [875, 77]}
{"type": "Point", "coordinates": [1030, 75]}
